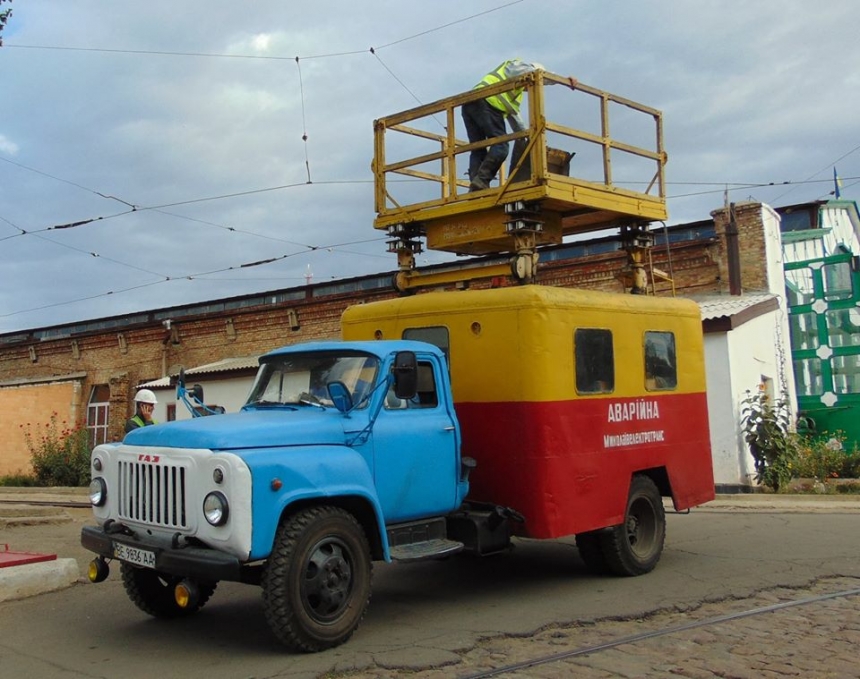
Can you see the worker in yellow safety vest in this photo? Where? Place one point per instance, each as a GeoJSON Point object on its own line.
{"type": "Point", "coordinates": [485, 119]}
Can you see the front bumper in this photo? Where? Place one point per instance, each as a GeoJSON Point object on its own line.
{"type": "Point", "coordinates": [172, 557]}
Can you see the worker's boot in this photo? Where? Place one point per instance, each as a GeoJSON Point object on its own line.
{"type": "Point", "coordinates": [484, 176]}
{"type": "Point", "coordinates": [478, 183]}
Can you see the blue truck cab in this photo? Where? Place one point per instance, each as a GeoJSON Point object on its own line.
{"type": "Point", "coordinates": [344, 453]}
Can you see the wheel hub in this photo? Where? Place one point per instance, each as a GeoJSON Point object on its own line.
{"type": "Point", "coordinates": [327, 582]}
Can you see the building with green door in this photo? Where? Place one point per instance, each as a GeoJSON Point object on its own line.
{"type": "Point", "coordinates": [821, 248]}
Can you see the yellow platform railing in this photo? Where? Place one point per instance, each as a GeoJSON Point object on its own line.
{"type": "Point", "coordinates": [567, 166]}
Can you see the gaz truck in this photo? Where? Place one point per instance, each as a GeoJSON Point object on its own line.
{"type": "Point", "coordinates": [442, 423]}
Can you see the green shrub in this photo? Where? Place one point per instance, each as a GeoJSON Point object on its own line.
{"type": "Point", "coordinates": [819, 457]}
{"type": "Point", "coordinates": [824, 457]}
{"type": "Point", "coordinates": [60, 454]}
{"type": "Point", "coordinates": [19, 478]}
{"type": "Point", "coordinates": [765, 424]}
{"type": "Point", "coordinates": [851, 465]}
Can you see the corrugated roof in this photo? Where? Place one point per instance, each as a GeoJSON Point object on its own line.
{"type": "Point", "coordinates": [725, 306]}
{"type": "Point", "coordinates": [224, 365]}
{"type": "Point", "coordinates": [724, 313]}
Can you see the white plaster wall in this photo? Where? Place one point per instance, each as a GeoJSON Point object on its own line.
{"type": "Point", "coordinates": [229, 392]}
{"type": "Point", "coordinates": [803, 250]}
{"type": "Point", "coordinates": [727, 451]}
{"type": "Point", "coordinates": [784, 371]}
{"type": "Point", "coordinates": [838, 218]}
{"type": "Point", "coordinates": [736, 362]}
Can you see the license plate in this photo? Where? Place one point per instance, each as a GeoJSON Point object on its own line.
{"type": "Point", "coordinates": [139, 557]}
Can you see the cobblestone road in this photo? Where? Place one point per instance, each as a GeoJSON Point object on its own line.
{"type": "Point", "coordinates": [815, 641]}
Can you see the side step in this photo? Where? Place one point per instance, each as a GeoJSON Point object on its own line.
{"type": "Point", "coordinates": [429, 549]}
{"type": "Point", "coordinates": [417, 540]}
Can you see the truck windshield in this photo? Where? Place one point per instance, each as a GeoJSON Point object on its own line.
{"type": "Point", "coordinates": [303, 379]}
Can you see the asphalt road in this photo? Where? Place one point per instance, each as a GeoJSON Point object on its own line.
{"type": "Point", "coordinates": [440, 614]}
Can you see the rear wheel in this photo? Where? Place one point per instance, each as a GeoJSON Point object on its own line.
{"type": "Point", "coordinates": [316, 586]}
{"type": "Point", "coordinates": [152, 592]}
{"type": "Point", "coordinates": [635, 547]}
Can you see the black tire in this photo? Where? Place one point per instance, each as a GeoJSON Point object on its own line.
{"type": "Point", "coordinates": [591, 552]}
{"type": "Point", "coordinates": [316, 585]}
{"type": "Point", "coordinates": [152, 592]}
{"type": "Point", "coordinates": [635, 547]}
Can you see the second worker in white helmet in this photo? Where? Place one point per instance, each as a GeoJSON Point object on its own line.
{"type": "Point", "coordinates": [144, 404]}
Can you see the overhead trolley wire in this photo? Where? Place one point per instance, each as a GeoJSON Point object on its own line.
{"type": "Point", "coordinates": [194, 276]}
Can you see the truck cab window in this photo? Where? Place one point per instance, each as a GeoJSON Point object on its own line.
{"type": "Point", "coordinates": [595, 361]}
{"type": "Point", "coordinates": [661, 370]}
{"type": "Point", "coordinates": [295, 379]}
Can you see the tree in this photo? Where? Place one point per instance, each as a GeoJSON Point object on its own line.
{"type": "Point", "coordinates": [4, 17]}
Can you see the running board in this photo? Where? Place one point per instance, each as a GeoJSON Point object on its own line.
{"type": "Point", "coordinates": [428, 549]}
{"type": "Point", "coordinates": [422, 539]}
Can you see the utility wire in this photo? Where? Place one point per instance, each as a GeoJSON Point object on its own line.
{"type": "Point", "coordinates": [452, 23]}
{"type": "Point", "coordinates": [826, 167]}
{"type": "Point", "coordinates": [66, 181]}
{"type": "Point", "coordinates": [36, 233]}
{"type": "Point", "coordinates": [735, 187]}
{"type": "Point", "coordinates": [259, 56]}
{"type": "Point", "coordinates": [157, 208]}
{"type": "Point", "coordinates": [304, 120]}
{"type": "Point", "coordinates": [391, 73]}
{"type": "Point", "coordinates": [82, 299]}
{"type": "Point", "coordinates": [98, 256]}
{"type": "Point", "coordinates": [190, 277]}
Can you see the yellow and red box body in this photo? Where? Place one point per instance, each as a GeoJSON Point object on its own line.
{"type": "Point", "coordinates": [562, 458]}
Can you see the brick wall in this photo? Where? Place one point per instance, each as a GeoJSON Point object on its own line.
{"type": "Point", "coordinates": [29, 408]}
{"type": "Point", "coordinates": [751, 244]}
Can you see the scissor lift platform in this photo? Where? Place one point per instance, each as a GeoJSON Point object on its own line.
{"type": "Point", "coordinates": [424, 192]}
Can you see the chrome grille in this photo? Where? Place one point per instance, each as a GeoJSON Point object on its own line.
{"type": "Point", "coordinates": [153, 494]}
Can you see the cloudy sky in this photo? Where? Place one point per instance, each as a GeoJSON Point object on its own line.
{"type": "Point", "coordinates": [177, 127]}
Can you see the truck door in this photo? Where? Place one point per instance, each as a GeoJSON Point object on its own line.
{"type": "Point", "coordinates": [416, 449]}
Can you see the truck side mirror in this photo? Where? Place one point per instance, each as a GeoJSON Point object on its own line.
{"type": "Point", "coordinates": [196, 393]}
{"type": "Point", "coordinates": [405, 372]}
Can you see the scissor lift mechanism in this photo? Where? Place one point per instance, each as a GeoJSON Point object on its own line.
{"type": "Point", "coordinates": [536, 203]}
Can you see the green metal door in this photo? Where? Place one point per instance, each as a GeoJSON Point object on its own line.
{"type": "Point", "coordinates": [824, 316]}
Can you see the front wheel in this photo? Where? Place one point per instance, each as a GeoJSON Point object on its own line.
{"type": "Point", "coordinates": [152, 592]}
{"type": "Point", "coordinates": [635, 547]}
{"type": "Point", "coordinates": [316, 586]}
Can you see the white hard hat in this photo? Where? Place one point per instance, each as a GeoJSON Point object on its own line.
{"type": "Point", "coordinates": [145, 396]}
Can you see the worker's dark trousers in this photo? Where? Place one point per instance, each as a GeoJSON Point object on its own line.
{"type": "Point", "coordinates": [485, 122]}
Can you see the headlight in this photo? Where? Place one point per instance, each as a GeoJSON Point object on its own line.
{"type": "Point", "coordinates": [216, 509]}
{"type": "Point", "coordinates": [98, 492]}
